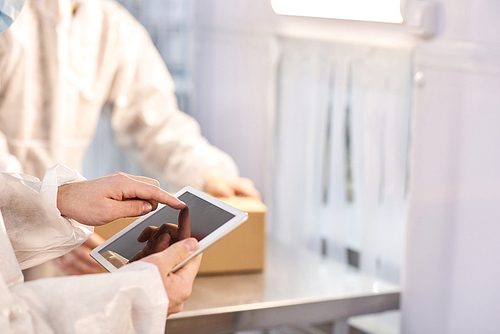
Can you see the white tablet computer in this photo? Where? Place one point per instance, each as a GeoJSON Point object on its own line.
{"type": "Point", "coordinates": [209, 219]}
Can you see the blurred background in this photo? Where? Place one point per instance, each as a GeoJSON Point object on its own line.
{"type": "Point", "coordinates": [373, 138]}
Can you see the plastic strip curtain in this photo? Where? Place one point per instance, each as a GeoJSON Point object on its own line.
{"type": "Point", "coordinates": [341, 152]}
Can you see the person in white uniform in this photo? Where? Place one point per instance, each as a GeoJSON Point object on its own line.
{"type": "Point", "coordinates": [33, 229]}
{"type": "Point", "coordinates": [42, 220]}
{"type": "Point", "coordinates": [60, 63]}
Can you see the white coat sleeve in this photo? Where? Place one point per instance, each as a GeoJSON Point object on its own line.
{"type": "Point", "coordinates": [8, 162]}
{"type": "Point", "coordinates": [36, 229]}
{"type": "Point", "coordinates": [146, 117]}
{"type": "Point", "coordinates": [131, 300]}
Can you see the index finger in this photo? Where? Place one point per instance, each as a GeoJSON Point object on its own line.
{"type": "Point", "coordinates": [154, 204]}
{"type": "Point", "coordinates": [135, 189]}
{"type": "Point", "coordinates": [184, 222]}
{"type": "Point", "coordinates": [145, 179]}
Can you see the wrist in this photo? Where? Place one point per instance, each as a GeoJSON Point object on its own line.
{"type": "Point", "coordinates": [61, 198]}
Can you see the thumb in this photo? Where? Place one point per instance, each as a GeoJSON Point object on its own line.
{"type": "Point", "coordinates": [178, 252]}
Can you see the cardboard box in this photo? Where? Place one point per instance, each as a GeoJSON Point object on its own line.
{"type": "Point", "coordinates": [242, 250]}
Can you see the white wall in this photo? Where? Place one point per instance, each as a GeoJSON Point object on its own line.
{"type": "Point", "coordinates": [452, 276]}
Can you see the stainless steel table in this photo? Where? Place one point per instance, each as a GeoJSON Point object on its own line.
{"type": "Point", "coordinates": [297, 287]}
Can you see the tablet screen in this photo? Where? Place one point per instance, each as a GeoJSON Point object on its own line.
{"type": "Point", "coordinates": [204, 217]}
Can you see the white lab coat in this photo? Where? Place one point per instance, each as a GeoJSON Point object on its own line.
{"type": "Point", "coordinates": [57, 70]}
{"type": "Point", "coordinates": [132, 300]}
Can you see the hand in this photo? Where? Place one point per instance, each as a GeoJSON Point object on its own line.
{"type": "Point", "coordinates": [102, 200]}
{"type": "Point", "coordinates": [159, 238]}
{"type": "Point", "coordinates": [178, 285]}
{"type": "Point", "coordinates": [220, 186]}
{"type": "Point", "coordinates": [78, 261]}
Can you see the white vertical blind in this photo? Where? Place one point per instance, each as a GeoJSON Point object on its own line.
{"type": "Point", "coordinates": [341, 151]}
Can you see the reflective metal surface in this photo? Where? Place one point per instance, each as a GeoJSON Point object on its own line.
{"type": "Point", "coordinates": [296, 287]}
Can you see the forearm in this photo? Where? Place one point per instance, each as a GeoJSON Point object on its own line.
{"type": "Point", "coordinates": [8, 162]}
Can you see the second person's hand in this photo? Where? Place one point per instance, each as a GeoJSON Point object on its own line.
{"type": "Point", "coordinates": [221, 186]}
{"type": "Point", "coordinates": [78, 261]}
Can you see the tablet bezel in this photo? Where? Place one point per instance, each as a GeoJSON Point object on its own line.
{"type": "Point", "coordinates": [239, 218]}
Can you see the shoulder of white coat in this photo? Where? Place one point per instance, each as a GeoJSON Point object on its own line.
{"type": "Point", "coordinates": [123, 23]}
{"type": "Point", "coordinates": [11, 41]}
